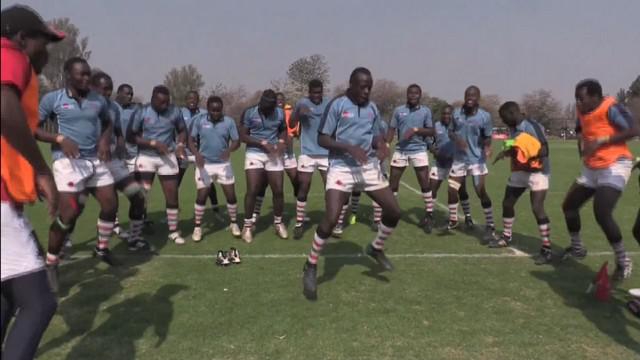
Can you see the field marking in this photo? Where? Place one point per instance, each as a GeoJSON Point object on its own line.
{"type": "Point", "coordinates": [520, 254]}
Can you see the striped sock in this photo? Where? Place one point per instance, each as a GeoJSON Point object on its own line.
{"type": "Point", "coordinates": [377, 212]}
{"type": "Point", "coordinates": [488, 215]}
{"type": "Point", "coordinates": [453, 212]}
{"type": "Point", "coordinates": [428, 201]}
{"type": "Point", "coordinates": [621, 255]}
{"type": "Point", "coordinates": [172, 219]}
{"type": "Point", "coordinates": [136, 230]}
{"type": "Point", "coordinates": [199, 213]}
{"type": "Point", "coordinates": [258, 208]}
{"type": "Point", "coordinates": [248, 223]}
{"type": "Point", "coordinates": [343, 212]}
{"type": "Point", "coordinates": [52, 259]}
{"type": "Point", "coordinates": [316, 249]}
{"type": "Point", "coordinates": [507, 226]}
{"type": "Point", "coordinates": [466, 207]}
{"type": "Point", "coordinates": [105, 228]}
{"type": "Point", "coordinates": [277, 219]}
{"type": "Point", "coordinates": [355, 204]}
{"type": "Point", "coordinates": [576, 242]}
{"type": "Point", "coordinates": [545, 230]}
{"type": "Point", "coordinates": [300, 212]}
{"type": "Point", "coordinates": [232, 209]}
{"type": "Point", "coordinates": [383, 234]}
{"type": "Point", "coordinates": [395, 193]}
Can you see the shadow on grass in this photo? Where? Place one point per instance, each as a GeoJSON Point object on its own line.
{"type": "Point", "coordinates": [355, 257]}
{"type": "Point", "coordinates": [569, 280]}
{"type": "Point", "coordinates": [85, 286]}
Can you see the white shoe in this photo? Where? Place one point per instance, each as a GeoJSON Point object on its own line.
{"type": "Point", "coordinates": [197, 234]}
{"type": "Point", "coordinates": [281, 230]}
{"type": "Point", "coordinates": [176, 238]}
{"type": "Point", "coordinates": [235, 230]}
{"type": "Point", "coordinates": [247, 235]}
{"type": "Point", "coordinates": [337, 231]}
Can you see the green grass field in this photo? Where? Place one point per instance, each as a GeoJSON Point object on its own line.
{"type": "Point", "coordinates": [449, 298]}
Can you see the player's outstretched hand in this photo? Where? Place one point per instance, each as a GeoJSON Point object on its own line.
{"type": "Point", "coordinates": [358, 154]}
{"type": "Point", "coordinates": [48, 192]}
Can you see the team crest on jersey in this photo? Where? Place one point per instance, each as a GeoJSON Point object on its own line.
{"type": "Point", "coordinates": [67, 106]}
{"type": "Point", "coordinates": [404, 114]}
{"type": "Point", "coordinates": [206, 126]}
{"type": "Point", "coordinates": [347, 115]}
{"type": "Point", "coordinates": [148, 120]}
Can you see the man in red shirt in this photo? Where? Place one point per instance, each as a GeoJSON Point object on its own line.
{"type": "Point", "coordinates": [26, 293]}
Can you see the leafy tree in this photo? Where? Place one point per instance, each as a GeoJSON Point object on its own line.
{"type": "Point", "coordinates": [72, 45]}
{"type": "Point", "coordinates": [541, 106]}
{"type": "Point", "coordinates": [182, 80]}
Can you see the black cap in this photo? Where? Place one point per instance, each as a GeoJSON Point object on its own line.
{"type": "Point", "coordinates": [18, 18]}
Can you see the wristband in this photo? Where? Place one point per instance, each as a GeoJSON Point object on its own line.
{"type": "Point", "coordinates": [59, 138]}
{"type": "Point", "coordinates": [415, 129]}
{"type": "Point", "coordinates": [264, 142]}
{"type": "Point", "coordinates": [152, 143]}
{"type": "Point", "coordinates": [281, 141]}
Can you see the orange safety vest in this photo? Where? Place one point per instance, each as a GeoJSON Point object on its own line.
{"type": "Point", "coordinates": [287, 116]}
{"type": "Point", "coordinates": [596, 125]}
{"type": "Point", "coordinates": [17, 174]}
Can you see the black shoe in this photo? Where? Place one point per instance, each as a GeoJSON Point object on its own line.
{"type": "Point", "coordinates": [622, 271]}
{"type": "Point", "coordinates": [106, 256]}
{"type": "Point", "coordinates": [222, 259]}
{"type": "Point", "coordinates": [139, 245]}
{"type": "Point", "coordinates": [298, 231]}
{"type": "Point", "coordinates": [427, 223]}
{"type": "Point", "coordinates": [309, 281]}
{"type": "Point", "coordinates": [379, 257]}
{"type": "Point", "coordinates": [544, 257]}
{"type": "Point", "coordinates": [489, 236]}
{"type": "Point", "coordinates": [496, 242]}
{"type": "Point", "coordinates": [52, 276]}
{"type": "Point", "coordinates": [452, 225]}
{"type": "Point", "coordinates": [468, 222]}
{"type": "Point", "coordinates": [577, 254]}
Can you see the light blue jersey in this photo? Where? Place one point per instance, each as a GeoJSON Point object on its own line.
{"type": "Point", "coordinates": [125, 122]}
{"type": "Point", "coordinates": [446, 148]}
{"type": "Point", "coordinates": [214, 136]}
{"type": "Point", "coordinates": [80, 121]}
{"type": "Point", "coordinates": [351, 124]}
{"type": "Point", "coordinates": [158, 127]}
{"type": "Point", "coordinates": [188, 117]}
{"type": "Point", "coordinates": [309, 126]}
{"type": "Point", "coordinates": [405, 118]}
{"type": "Point", "coordinates": [473, 130]}
{"type": "Point", "coordinates": [263, 128]}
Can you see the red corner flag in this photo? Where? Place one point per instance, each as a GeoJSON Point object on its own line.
{"type": "Point", "coordinates": [602, 284]}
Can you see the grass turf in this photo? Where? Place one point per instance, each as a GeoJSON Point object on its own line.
{"type": "Point", "coordinates": [179, 305]}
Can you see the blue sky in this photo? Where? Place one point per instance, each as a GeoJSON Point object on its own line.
{"type": "Point", "coordinates": [506, 47]}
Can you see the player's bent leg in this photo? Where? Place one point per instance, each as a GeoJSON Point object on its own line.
{"type": "Point", "coordinates": [198, 212]}
{"type": "Point", "coordinates": [422, 174]}
{"type": "Point", "coordinates": [276, 180]}
{"type": "Point", "coordinates": [256, 183]}
{"type": "Point", "coordinates": [544, 226]}
{"type": "Point", "coordinates": [108, 202]}
{"type": "Point", "coordinates": [394, 178]}
{"type": "Point", "coordinates": [463, 194]}
{"type": "Point", "coordinates": [304, 183]}
{"type": "Point", "coordinates": [390, 218]}
{"type": "Point", "coordinates": [292, 174]}
{"type": "Point", "coordinates": [479, 182]}
{"type": "Point", "coordinates": [232, 208]}
{"type": "Point", "coordinates": [334, 200]}
{"type": "Point", "coordinates": [454, 186]}
{"type": "Point", "coordinates": [511, 196]}
{"type": "Point", "coordinates": [574, 200]}
{"type": "Point", "coordinates": [604, 202]}
{"type": "Point", "coordinates": [68, 212]}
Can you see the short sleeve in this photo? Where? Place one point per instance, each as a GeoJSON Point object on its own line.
{"type": "Point", "coordinates": [487, 126]}
{"type": "Point", "coordinates": [46, 106]}
{"type": "Point", "coordinates": [394, 119]}
{"type": "Point", "coordinates": [619, 117]}
{"type": "Point", "coordinates": [233, 130]}
{"type": "Point", "coordinates": [428, 119]}
{"type": "Point", "coordinates": [15, 70]}
{"type": "Point", "coordinates": [329, 121]}
{"type": "Point", "coordinates": [196, 125]}
{"type": "Point", "coordinates": [246, 121]}
{"type": "Point", "coordinates": [136, 120]}
{"type": "Point", "coordinates": [179, 121]}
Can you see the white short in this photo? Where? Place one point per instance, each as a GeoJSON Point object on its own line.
{"type": "Point", "coordinates": [307, 163]}
{"type": "Point", "coordinates": [256, 160]}
{"type": "Point", "coordinates": [437, 173]}
{"type": "Point", "coordinates": [184, 164]}
{"type": "Point", "coordinates": [162, 165]}
{"type": "Point", "coordinates": [615, 176]}
{"type": "Point", "coordinates": [402, 159]}
{"type": "Point", "coordinates": [459, 169]}
{"type": "Point", "coordinates": [119, 169]}
{"type": "Point", "coordinates": [290, 162]}
{"type": "Point", "coordinates": [75, 175]}
{"type": "Point", "coordinates": [20, 253]}
{"type": "Point", "coordinates": [534, 181]}
{"type": "Point", "coordinates": [364, 178]}
{"type": "Point", "coordinates": [220, 173]}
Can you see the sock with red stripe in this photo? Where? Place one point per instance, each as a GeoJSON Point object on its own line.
{"type": "Point", "coordinates": [300, 212]}
{"type": "Point", "coordinates": [232, 209]}
{"type": "Point", "coordinates": [172, 219]}
{"type": "Point", "coordinates": [507, 226]}
{"type": "Point", "coordinates": [316, 249]}
{"type": "Point", "coordinates": [428, 201]}
{"type": "Point", "coordinates": [105, 229]}
{"type": "Point", "coordinates": [377, 212]}
{"type": "Point", "coordinates": [544, 227]}
{"type": "Point", "coordinates": [198, 214]}
{"type": "Point", "coordinates": [383, 234]}
{"type": "Point", "coordinates": [453, 212]}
